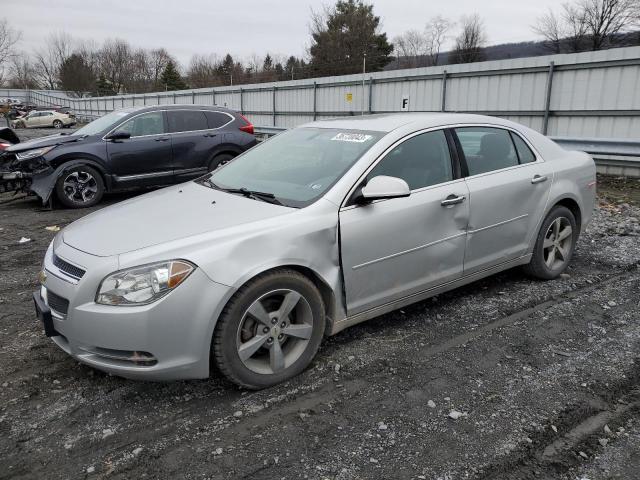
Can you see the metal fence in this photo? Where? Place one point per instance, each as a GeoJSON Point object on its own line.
{"type": "Point", "coordinates": [588, 94]}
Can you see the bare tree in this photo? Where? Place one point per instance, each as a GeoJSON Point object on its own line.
{"type": "Point", "coordinates": [22, 72]}
{"type": "Point", "coordinates": [116, 63]}
{"type": "Point", "coordinates": [159, 59]}
{"type": "Point", "coordinates": [203, 71]}
{"type": "Point", "coordinates": [412, 48]}
{"type": "Point", "coordinates": [49, 59]}
{"type": "Point", "coordinates": [470, 41]}
{"type": "Point", "coordinates": [8, 39]}
{"type": "Point", "coordinates": [436, 33]}
{"type": "Point", "coordinates": [588, 24]}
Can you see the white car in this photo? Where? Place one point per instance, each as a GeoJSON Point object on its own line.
{"type": "Point", "coordinates": [44, 118]}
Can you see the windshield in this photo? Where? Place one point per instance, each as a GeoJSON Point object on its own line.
{"type": "Point", "coordinates": [297, 166]}
{"type": "Point", "coordinates": [102, 123]}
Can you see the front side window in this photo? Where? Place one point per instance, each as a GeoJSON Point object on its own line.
{"type": "Point", "coordinates": [486, 149]}
{"type": "Point", "coordinates": [421, 161]}
{"type": "Point", "coordinates": [146, 124]}
{"type": "Point", "coordinates": [186, 120]}
{"type": "Point", "coordinates": [103, 123]}
{"type": "Point", "coordinates": [297, 166]}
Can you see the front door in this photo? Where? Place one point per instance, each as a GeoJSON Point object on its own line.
{"type": "Point", "coordinates": [509, 188]}
{"type": "Point", "coordinates": [146, 158]}
{"type": "Point", "coordinates": [394, 248]}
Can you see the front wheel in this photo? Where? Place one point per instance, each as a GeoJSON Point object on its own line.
{"type": "Point", "coordinates": [554, 245]}
{"type": "Point", "coordinates": [80, 187]}
{"type": "Point", "coordinates": [270, 330]}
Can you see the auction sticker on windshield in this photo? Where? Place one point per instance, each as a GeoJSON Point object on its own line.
{"type": "Point", "coordinates": [352, 137]}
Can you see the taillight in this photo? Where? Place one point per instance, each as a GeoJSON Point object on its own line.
{"type": "Point", "coordinates": [248, 128]}
{"type": "Point", "coordinates": [4, 145]}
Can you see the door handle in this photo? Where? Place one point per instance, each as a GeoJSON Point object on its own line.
{"type": "Point", "coordinates": [209, 135]}
{"type": "Point", "coordinates": [538, 179]}
{"type": "Point", "coordinates": [452, 200]}
{"type": "Point", "coordinates": [162, 139]}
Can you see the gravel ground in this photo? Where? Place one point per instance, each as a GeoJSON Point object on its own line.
{"type": "Point", "coordinates": [506, 378]}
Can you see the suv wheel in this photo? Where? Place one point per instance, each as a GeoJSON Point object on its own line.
{"type": "Point", "coordinates": [270, 330]}
{"type": "Point", "coordinates": [555, 244]}
{"type": "Point", "coordinates": [80, 187]}
{"type": "Point", "coordinates": [219, 160]}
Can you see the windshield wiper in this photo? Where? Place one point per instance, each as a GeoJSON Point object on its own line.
{"type": "Point", "coordinates": [253, 194]}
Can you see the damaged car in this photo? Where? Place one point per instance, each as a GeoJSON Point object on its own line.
{"type": "Point", "coordinates": [129, 148]}
{"type": "Point", "coordinates": [247, 269]}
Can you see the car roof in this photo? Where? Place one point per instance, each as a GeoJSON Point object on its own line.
{"type": "Point", "coordinates": [186, 106]}
{"type": "Point", "coordinates": [387, 122]}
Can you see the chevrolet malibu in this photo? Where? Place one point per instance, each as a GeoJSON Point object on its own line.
{"type": "Point", "coordinates": [248, 268]}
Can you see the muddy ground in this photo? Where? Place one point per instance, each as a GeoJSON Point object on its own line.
{"type": "Point", "coordinates": [545, 377]}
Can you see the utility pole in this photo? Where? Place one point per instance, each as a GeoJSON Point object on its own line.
{"type": "Point", "coordinates": [364, 70]}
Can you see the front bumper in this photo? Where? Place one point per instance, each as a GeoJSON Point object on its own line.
{"type": "Point", "coordinates": [167, 340]}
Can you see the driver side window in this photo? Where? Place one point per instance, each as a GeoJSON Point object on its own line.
{"type": "Point", "coordinates": [150, 123]}
{"type": "Point", "coordinates": [421, 161]}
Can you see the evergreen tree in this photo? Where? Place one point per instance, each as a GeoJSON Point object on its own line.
{"type": "Point", "coordinates": [171, 79]}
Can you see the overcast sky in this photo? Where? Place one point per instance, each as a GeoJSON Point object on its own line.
{"type": "Point", "coordinates": [243, 27]}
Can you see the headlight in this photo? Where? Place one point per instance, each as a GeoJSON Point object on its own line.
{"type": "Point", "coordinates": [36, 152]}
{"type": "Point", "coordinates": [143, 285]}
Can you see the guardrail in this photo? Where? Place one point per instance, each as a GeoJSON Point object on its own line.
{"type": "Point", "coordinates": [602, 149]}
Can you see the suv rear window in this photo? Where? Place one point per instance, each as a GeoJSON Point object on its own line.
{"type": "Point", "coordinates": [217, 119]}
{"type": "Point", "coordinates": [186, 120]}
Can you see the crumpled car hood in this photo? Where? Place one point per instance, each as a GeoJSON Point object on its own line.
{"type": "Point", "coordinates": [47, 141]}
{"type": "Point", "coordinates": [162, 216]}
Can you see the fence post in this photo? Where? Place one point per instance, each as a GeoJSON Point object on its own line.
{"type": "Point", "coordinates": [315, 100]}
{"type": "Point", "coordinates": [547, 99]}
{"type": "Point", "coordinates": [174, 98]}
{"type": "Point", "coordinates": [158, 99]}
{"type": "Point", "coordinates": [241, 103]}
{"type": "Point", "coordinates": [273, 103]}
{"type": "Point", "coordinates": [213, 96]}
{"type": "Point", "coordinates": [122, 98]}
{"type": "Point", "coordinates": [193, 98]}
{"type": "Point", "coordinates": [144, 99]}
{"type": "Point", "coordinates": [443, 102]}
{"type": "Point", "coordinates": [370, 95]}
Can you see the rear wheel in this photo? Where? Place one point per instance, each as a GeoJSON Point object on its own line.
{"type": "Point", "coordinates": [270, 330]}
{"type": "Point", "coordinates": [555, 244]}
{"type": "Point", "coordinates": [57, 124]}
{"type": "Point", "coordinates": [80, 187]}
{"type": "Point", "coordinates": [220, 160]}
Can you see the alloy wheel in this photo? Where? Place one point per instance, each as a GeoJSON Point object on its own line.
{"type": "Point", "coordinates": [80, 187]}
{"type": "Point", "coordinates": [557, 243]}
{"type": "Point", "coordinates": [274, 331]}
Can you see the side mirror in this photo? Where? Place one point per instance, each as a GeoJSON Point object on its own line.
{"type": "Point", "coordinates": [118, 135]}
{"type": "Point", "coordinates": [382, 187]}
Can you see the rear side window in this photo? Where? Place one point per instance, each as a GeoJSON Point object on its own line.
{"type": "Point", "coordinates": [421, 161]}
{"type": "Point", "coordinates": [217, 119]}
{"type": "Point", "coordinates": [486, 149]}
{"type": "Point", "coordinates": [186, 120]}
{"type": "Point", "coordinates": [524, 152]}
{"type": "Point", "coordinates": [146, 124]}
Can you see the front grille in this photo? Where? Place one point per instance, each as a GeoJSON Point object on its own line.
{"type": "Point", "coordinates": [57, 303]}
{"type": "Point", "coordinates": [66, 267]}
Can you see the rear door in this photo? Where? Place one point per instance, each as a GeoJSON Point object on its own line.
{"type": "Point", "coordinates": [394, 248]}
{"type": "Point", "coordinates": [192, 142]}
{"type": "Point", "coordinates": [146, 158]}
{"type": "Point", "coordinates": [508, 188]}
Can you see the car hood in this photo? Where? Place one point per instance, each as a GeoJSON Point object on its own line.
{"type": "Point", "coordinates": [47, 141]}
{"type": "Point", "coordinates": [163, 216]}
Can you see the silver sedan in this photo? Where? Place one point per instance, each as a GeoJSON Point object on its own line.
{"type": "Point", "coordinates": [319, 228]}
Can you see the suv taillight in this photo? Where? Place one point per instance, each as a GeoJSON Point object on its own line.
{"type": "Point", "coordinates": [248, 128]}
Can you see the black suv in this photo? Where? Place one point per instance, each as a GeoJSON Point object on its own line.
{"type": "Point", "coordinates": [132, 147]}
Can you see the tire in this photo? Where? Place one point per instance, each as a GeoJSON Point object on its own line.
{"type": "Point", "coordinates": [554, 244]}
{"type": "Point", "coordinates": [250, 331]}
{"type": "Point", "coordinates": [80, 187]}
{"type": "Point", "coordinates": [58, 124]}
{"type": "Point", "coordinates": [220, 160]}
{"type": "Point", "coordinates": [19, 125]}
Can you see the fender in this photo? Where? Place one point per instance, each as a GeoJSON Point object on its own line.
{"type": "Point", "coordinates": [42, 184]}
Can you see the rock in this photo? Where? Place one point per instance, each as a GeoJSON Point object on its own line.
{"type": "Point", "coordinates": [373, 460]}
{"type": "Point", "coordinates": [554, 428]}
{"type": "Point", "coordinates": [91, 469]}
{"type": "Point", "coordinates": [57, 382]}
{"type": "Point", "coordinates": [583, 455]}
{"type": "Point", "coordinates": [611, 303]}
{"type": "Point", "coordinates": [68, 446]}
{"type": "Point", "coordinates": [351, 358]}
{"type": "Point", "coordinates": [237, 413]}
{"type": "Point", "coordinates": [456, 414]}
{"type": "Point", "coordinates": [565, 275]}
{"type": "Point", "coordinates": [607, 430]}
{"type": "Point", "coordinates": [53, 228]}
{"type": "Point", "coordinates": [337, 368]}
{"type": "Point", "coordinates": [24, 240]}
{"type": "Point", "coordinates": [382, 426]}
{"type": "Point", "coordinates": [431, 404]}
{"type": "Point", "coordinates": [603, 441]}
{"type": "Point", "coordinates": [107, 432]}
{"type": "Point", "coordinates": [218, 451]}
